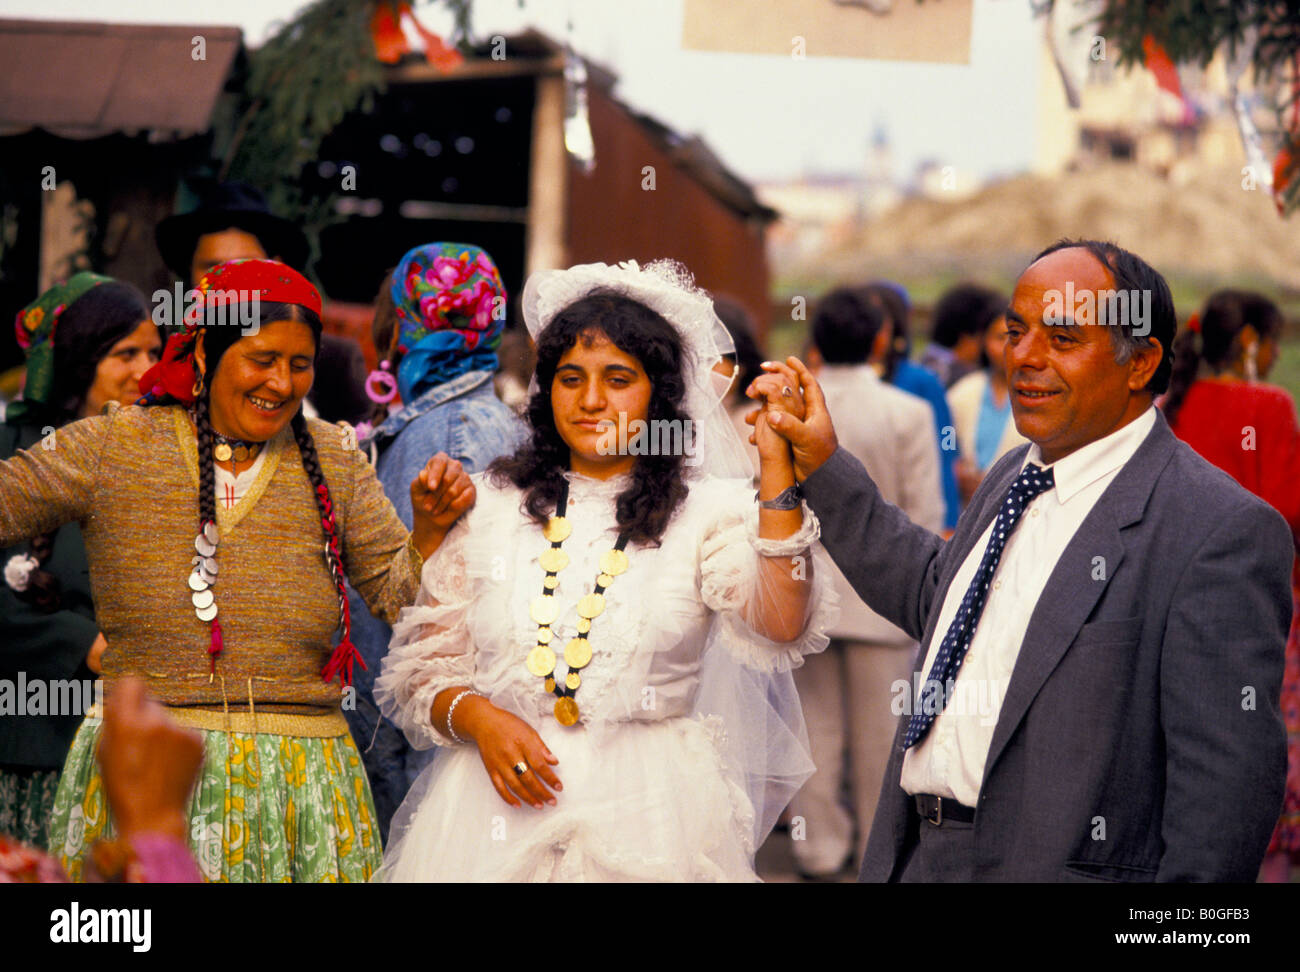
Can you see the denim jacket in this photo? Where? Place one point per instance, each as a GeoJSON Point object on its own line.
{"type": "Point", "coordinates": [462, 418]}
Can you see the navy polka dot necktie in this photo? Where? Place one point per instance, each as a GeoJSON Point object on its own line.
{"type": "Point", "coordinates": [1031, 481]}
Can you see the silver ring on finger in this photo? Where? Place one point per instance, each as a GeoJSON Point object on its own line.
{"type": "Point", "coordinates": [520, 768]}
{"type": "Point", "coordinates": [786, 391]}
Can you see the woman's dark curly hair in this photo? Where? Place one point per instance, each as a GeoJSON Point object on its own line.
{"type": "Point", "coordinates": [537, 467]}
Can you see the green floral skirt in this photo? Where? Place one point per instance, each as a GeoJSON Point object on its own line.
{"type": "Point", "coordinates": [266, 807]}
{"type": "Point", "coordinates": [26, 798]}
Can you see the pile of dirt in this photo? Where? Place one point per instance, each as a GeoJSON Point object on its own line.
{"type": "Point", "coordinates": [1203, 224]}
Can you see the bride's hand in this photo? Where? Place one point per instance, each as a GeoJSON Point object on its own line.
{"type": "Point", "coordinates": [504, 740]}
{"type": "Point", "coordinates": [777, 389]}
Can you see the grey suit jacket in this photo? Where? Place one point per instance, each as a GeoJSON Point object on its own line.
{"type": "Point", "coordinates": [1140, 737]}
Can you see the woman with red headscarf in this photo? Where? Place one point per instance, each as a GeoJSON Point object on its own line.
{"type": "Point", "coordinates": [219, 526]}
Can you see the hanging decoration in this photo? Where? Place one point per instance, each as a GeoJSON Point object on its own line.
{"type": "Point", "coordinates": [577, 124]}
{"type": "Point", "coordinates": [1251, 140]}
{"type": "Point", "coordinates": [1286, 187]}
{"type": "Point", "coordinates": [391, 43]}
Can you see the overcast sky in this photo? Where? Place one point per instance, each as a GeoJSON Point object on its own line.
{"type": "Point", "coordinates": [768, 116]}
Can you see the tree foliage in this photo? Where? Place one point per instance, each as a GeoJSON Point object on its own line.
{"type": "Point", "coordinates": [301, 83]}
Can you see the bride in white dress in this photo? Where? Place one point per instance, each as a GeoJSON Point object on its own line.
{"type": "Point", "coordinates": [603, 643]}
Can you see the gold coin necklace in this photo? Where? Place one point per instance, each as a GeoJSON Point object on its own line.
{"type": "Point", "coordinates": [543, 609]}
{"type": "Point", "coordinates": [225, 448]}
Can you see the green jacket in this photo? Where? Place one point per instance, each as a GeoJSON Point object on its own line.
{"type": "Point", "coordinates": [43, 646]}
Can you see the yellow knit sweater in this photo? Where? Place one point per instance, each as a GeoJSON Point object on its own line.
{"type": "Point", "coordinates": [130, 478]}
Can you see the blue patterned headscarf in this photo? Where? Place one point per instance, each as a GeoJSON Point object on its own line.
{"type": "Point", "coordinates": [450, 305]}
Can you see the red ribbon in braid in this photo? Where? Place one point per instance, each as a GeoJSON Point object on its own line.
{"type": "Point", "coordinates": [345, 654]}
{"type": "Point", "coordinates": [214, 649]}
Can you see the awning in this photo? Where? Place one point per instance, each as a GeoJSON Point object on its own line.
{"type": "Point", "coordinates": [86, 80]}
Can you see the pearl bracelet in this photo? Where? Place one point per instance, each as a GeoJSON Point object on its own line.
{"type": "Point", "coordinates": [452, 708]}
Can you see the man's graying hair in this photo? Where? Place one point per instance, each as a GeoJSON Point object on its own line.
{"type": "Point", "coordinates": [1132, 273]}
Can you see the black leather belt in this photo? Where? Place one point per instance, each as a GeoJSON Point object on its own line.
{"type": "Point", "coordinates": [938, 809]}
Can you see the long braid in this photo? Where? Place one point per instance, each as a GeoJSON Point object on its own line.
{"type": "Point", "coordinates": [207, 465]}
{"type": "Point", "coordinates": [340, 662]}
{"type": "Point", "coordinates": [207, 494]}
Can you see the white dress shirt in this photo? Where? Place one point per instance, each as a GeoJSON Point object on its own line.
{"type": "Point", "coordinates": [949, 761]}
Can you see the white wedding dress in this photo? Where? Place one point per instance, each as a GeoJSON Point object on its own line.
{"type": "Point", "coordinates": [690, 740]}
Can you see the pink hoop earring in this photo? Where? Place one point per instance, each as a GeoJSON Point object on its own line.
{"type": "Point", "coordinates": [386, 380]}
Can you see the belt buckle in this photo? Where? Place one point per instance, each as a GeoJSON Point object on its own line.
{"type": "Point", "coordinates": [937, 819]}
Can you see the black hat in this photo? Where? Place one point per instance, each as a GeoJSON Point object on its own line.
{"type": "Point", "coordinates": [229, 205]}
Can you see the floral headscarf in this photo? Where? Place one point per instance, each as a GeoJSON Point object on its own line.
{"type": "Point", "coordinates": [450, 305]}
{"type": "Point", "coordinates": [34, 327]}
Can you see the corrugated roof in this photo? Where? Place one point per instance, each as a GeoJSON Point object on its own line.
{"type": "Point", "coordinates": [85, 80]}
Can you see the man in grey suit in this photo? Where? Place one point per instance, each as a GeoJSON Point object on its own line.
{"type": "Point", "coordinates": [1097, 691]}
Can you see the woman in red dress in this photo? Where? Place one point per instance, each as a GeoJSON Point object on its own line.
{"type": "Point", "coordinates": [1218, 405]}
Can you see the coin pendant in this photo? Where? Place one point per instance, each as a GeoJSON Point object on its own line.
{"type": "Point", "coordinates": [591, 605]}
{"type": "Point", "coordinates": [197, 583]}
{"type": "Point", "coordinates": [201, 599]}
{"type": "Point", "coordinates": [550, 582]}
{"type": "Point", "coordinates": [208, 579]}
{"type": "Point", "coordinates": [207, 613]}
{"type": "Point", "coordinates": [604, 580]}
{"type": "Point", "coordinates": [241, 453]}
{"type": "Point", "coordinates": [613, 562]}
{"type": "Point", "coordinates": [566, 712]}
{"type": "Point", "coordinates": [209, 565]}
{"type": "Point", "coordinates": [543, 609]}
{"type": "Point", "coordinates": [550, 684]}
{"type": "Point", "coordinates": [211, 534]}
{"type": "Point", "coordinates": [573, 680]}
{"type": "Point", "coordinates": [541, 661]}
{"type": "Point", "coordinates": [222, 452]}
{"type": "Point", "coordinates": [583, 625]}
{"type": "Point", "coordinates": [553, 560]}
{"type": "Point", "coordinates": [544, 635]}
{"type": "Point", "coordinates": [557, 529]}
{"type": "Point", "coordinates": [577, 653]}
{"type": "Point", "coordinates": [204, 546]}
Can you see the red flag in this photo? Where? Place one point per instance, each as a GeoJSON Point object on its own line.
{"type": "Point", "coordinates": [1162, 67]}
{"type": "Point", "coordinates": [391, 43]}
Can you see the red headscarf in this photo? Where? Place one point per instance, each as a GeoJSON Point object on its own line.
{"type": "Point", "coordinates": [232, 282]}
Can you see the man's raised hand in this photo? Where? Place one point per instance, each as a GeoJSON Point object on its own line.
{"type": "Point", "coordinates": [812, 438]}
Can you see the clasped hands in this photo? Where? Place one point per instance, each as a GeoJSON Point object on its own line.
{"type": "Point", "coordinates": [793, 424]}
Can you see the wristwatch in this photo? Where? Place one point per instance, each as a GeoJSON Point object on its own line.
{"type": "Point", "coordinates": [788, 499]}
